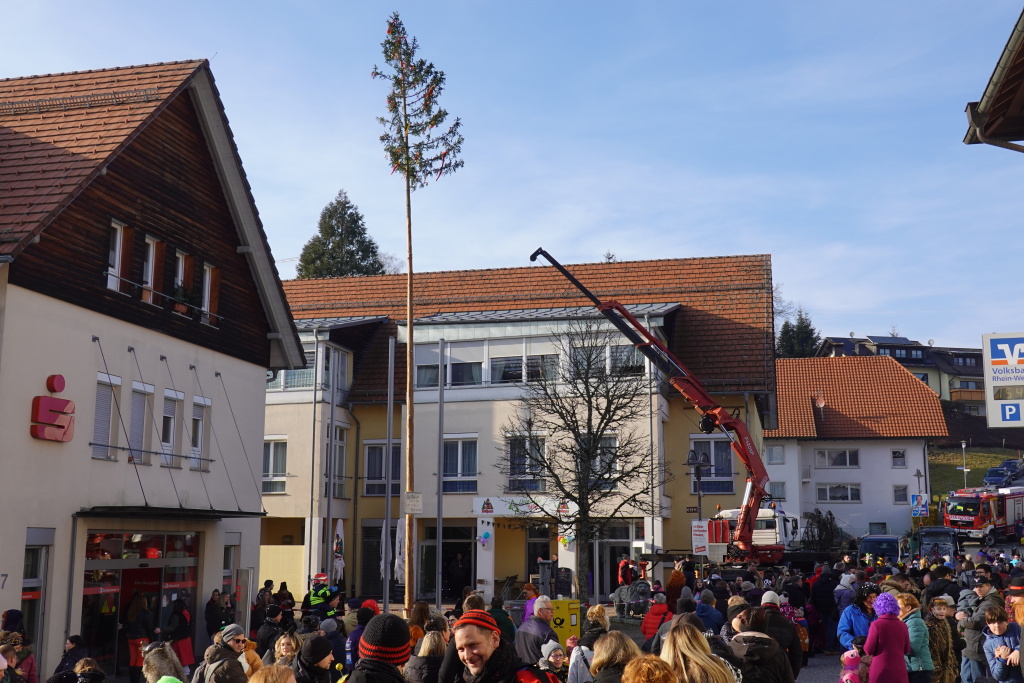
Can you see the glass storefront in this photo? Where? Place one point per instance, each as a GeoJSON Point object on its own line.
{"type": "Point", "coordinates": [161, 567]}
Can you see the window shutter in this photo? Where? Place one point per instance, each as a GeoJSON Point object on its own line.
{"type": "Point", "coordinates": [214, 294]}
{"type": "Point", "coordinates": [158, 285]}
{"type": "Point", "coordinates": [136, 437]}
{"type": "Point", "coordinates": [127, 240]}
{"type": "Point", "coordinates": [101, 422]}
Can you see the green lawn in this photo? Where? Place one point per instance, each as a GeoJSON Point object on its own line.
{"type": "Point", "coordinates": [943, 464]}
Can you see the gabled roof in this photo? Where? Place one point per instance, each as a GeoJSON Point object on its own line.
{"type": "Point", "coordinates": [723, 329]}
{"type": "Point", "coordinates": [859, 398]}
{"type": "Point", "coordinates": [58, 132]}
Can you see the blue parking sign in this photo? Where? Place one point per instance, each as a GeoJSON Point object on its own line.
{"type": "Point", "coordinates": [1011, 412]}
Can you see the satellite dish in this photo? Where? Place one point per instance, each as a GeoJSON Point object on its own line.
{"type": "Point", "coordinates": [852, 335]}
{"type": "Point", "coordinates": [931, 342]}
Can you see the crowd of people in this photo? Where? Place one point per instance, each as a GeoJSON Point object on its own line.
{"type": "Point", "coordinates": [941, 620]}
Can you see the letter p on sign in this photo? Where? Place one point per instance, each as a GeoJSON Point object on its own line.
{"type": "Point", "coordinates": [1011, 412]}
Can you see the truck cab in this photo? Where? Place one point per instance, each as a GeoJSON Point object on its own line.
{"type": "Point", "coordinates": [880, 546]}
{"type": "Point", "coordinates": [772, 527]}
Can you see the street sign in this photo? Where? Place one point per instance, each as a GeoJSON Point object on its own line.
{"type": "Point", "coordinates": [413, 503]}
{"type": "Point", "coordinates": [699, 536]}
{"type": "Point", "coordinates": [691, 509]}
{"type": "Point", "coordinates": [1003, 371]}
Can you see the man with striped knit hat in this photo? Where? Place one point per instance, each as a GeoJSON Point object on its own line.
{"type": "Point", "coordinates": [487, 658]}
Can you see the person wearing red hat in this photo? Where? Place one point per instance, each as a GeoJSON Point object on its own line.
{"type": "Point", "coordinates": [486, 657]}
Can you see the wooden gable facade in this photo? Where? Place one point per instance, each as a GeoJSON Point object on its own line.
{"type": "Point", "coordinates": [152, 234]}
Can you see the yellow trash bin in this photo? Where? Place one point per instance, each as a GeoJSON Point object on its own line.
{"type": "Point", "coordinates": [566, 621]}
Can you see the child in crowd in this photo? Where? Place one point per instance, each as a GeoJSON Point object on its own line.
{"type": "Point", "coordinates": [1002, 640]}
{"type": "Point", "coordinates": [553, 660]}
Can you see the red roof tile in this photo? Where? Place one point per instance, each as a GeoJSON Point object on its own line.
{"type": "Point", "coordinates": [853, 397]}
{"type": "Point", "coordinates": [59, 130]}
{"type": "Point", "coordinates": [723, 332]}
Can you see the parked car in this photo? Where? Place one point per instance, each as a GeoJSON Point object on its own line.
{"type": "Point", "coordinates": [1014, 468]}
{"type": "Point", "coordinates": [997, 476]}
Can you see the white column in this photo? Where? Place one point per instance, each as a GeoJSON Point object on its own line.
{"type": "Point", "coordinates": [485, 558]}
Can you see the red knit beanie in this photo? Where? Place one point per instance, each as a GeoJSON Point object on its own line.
{"type": "Point", "coordinates": [478, 617]}
{"type": "Point", "coordinates": [386, 639]}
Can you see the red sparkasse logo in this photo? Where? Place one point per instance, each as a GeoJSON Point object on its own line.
{"type": "Point", "coordinates": [54, 417]}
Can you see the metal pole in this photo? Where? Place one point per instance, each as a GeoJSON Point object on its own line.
{"type": "Point", "coordinates": [386, 550]}
{"type": "Point", "coordinates": [440, 471]}
{"type": "Point", "coordinates": [328, 528]}
{"type": "Point", "coordinates": [963, 447]}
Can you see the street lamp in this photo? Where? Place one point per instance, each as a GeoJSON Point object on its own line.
{"type": "Point", "coordinates": [698, 463]}
{"type": "Point", "coordinates": [963, 447]}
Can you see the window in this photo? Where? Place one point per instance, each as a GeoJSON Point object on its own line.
{"type": "Point", "coordinates": [916, 353]}
{"type": "Point", "coordinates": [506, 369]}
{"type": "Point", "coordinates": [426, 376]}
{"type": "Point", "coordinates": [200, 406]}
{"type": "Point", "coordinates": [832, 458]}
{"type": "Point", "coordinates": [459, 466]}
{"type": "Point", "coordinates": [972, 410]}
{"type": "Point", "coordinates": [119, 257]}
{"type": "Point", "coordinates": [965, 360]}
{"type": "Point", "coordinates": [275, 466]}
{"type": "Point", "coordinates": [878, 528]}
{"type": "Point", "coordinates": [777, 490]}
{"type": "Point", "coordinates": [106, 411]}
{"type": "Point", "coordinates": [900, 353]}
{"type": "Point", "coordinates": [211, 294]}
{"type": "Point", "coordinates": [374, 484]}
{"type": "Point", "coordinates": [718, 478]}
{"type": "Point", "coordinates": [838, 493]}
{"type": "Point", "coordinates": [626, 360]}
{"type": "Point", "coordinates": [302, 378]}
{"type": "Point", "coordinates": [604, 467]}
{"type": "Point", "coordinates": [923, 376]}
{"type": "Point", "coordinates": [152, 271]}
{"type": "Point", "coordinates": [184, 272]}
{"type": "Point", "coordinates": [899, 457]}
{"type": "Point", "coordinates": [525, 457]}
{"type": "Point", "coordinates": [168, 427]}
{"type": "Point", "coordinates": [466, 374]}
{"type": "Point", "coordinates": [900, 495]}
{"type": "Point", "coordinates": [970, 384]}
{"type": "Point", "coordinates": [775, 455]}
{"type": "Point", "coordinates": [141, 417]}
{"type": "Point", "coordinates": [883, 352]}
{"type": "Point", "coordinates": [542, 367]}
{"type": "Point", "coordinates": [338, 465]}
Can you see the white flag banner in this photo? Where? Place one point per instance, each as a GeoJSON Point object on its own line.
{"type": "Point", "coordinates": [400, 551]}
{"type": "Point", "coordinates": [339, 552]}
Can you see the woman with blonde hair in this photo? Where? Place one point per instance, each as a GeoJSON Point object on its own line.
{"type": "Point", "coordinates": [687, 652]}
{"type": "Point", "coordinates": [425, 665]}
{"type": "Point", "coordinates": [285, 649]}
{"type": "Point", "coordinates": [612, 652]}
{"type": "Point", "coordinates": [275, 673]}
{"type": "Point", "coordinates": [583, 654]}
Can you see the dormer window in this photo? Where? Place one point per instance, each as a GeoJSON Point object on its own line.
{"type": "Point", "coordinates": [119, 259]}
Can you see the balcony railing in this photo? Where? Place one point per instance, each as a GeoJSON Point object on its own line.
{"type": "Point", "coordinates": [967, 394]}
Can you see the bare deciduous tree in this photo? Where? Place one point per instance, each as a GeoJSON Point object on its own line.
{"type": "Point", "coordinates": [578, 448]}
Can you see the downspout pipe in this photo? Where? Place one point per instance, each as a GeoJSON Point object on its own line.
{"type": "Point", "coordinates": [976, 120]}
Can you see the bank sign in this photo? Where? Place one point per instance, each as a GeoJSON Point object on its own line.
{"type": "Point", "coordinates": [1004, 378]}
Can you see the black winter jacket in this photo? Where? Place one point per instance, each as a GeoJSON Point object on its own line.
{"type": "Point", "coordinates": [761, 659]}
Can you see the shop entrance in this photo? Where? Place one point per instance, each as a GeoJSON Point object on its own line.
{"type": "Point", "coordinates": [118, 566]}
{"type": "Point", "coordinates": [456, 572]}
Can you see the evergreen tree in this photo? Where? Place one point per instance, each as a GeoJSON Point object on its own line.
{"type": "Point", "coordinates": [417, 148]}
{"type": "Point", "coordinates": [797, 339]}
{"type": "Point", "coordinates": [341, 247]}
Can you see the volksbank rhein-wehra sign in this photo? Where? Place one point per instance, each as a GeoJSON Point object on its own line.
{"type": "Point", "coordinates": [1004, 378]}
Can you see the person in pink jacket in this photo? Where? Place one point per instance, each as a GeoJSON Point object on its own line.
{"type": "Point", "coordinates": [888, 642]}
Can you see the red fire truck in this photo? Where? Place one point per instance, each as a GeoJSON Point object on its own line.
{"type": "Point", "coordinates": [987, 514]}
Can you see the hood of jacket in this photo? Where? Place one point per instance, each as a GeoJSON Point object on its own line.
{"type": "Point", "coordinates": [658, 609]}
{"type": "Point", "coordinates": [754, 647]}
{"type": "Point", "coordinates": [217, 652]}
{"type": "Point", "coordinates": [845, 583]}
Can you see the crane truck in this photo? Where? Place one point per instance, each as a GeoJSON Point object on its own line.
{"type": "Point", "coordinates": [713, 417]}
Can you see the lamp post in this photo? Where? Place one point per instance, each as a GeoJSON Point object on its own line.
{"type": "Point", "coordinates": [698, 463]}
{"type": "Point", "coordinates": [963, 447]}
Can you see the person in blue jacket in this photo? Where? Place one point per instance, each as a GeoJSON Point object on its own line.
{"type": "Point", "coordinates": [1002, 645]}
{"type": "Point", "coordinates": [856, 619]}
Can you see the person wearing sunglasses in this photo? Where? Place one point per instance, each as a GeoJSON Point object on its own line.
{"type": "Point", "coordinates": [221, 662]}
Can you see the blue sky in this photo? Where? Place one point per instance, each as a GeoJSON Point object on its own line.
{"type": "Point", "coordinates": [826, 134]}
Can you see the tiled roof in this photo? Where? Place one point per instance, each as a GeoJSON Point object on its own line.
{"type": "Point", "coordinates": [860, 398]}
{"type": "Point", "coordinates": [57, 132]}
{"type": "Point", "coordinates": [638, 311]}
{"type": "Point", "coordinates": [722, 331]}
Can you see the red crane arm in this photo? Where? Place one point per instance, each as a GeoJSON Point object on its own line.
{"type": "Point", "coordinates": [713, 416]}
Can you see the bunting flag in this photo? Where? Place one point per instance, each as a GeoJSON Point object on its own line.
{"type": "Point", "coordinates": [400, 552]}
{"type": "Point", "coordinates": [339, 552]}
